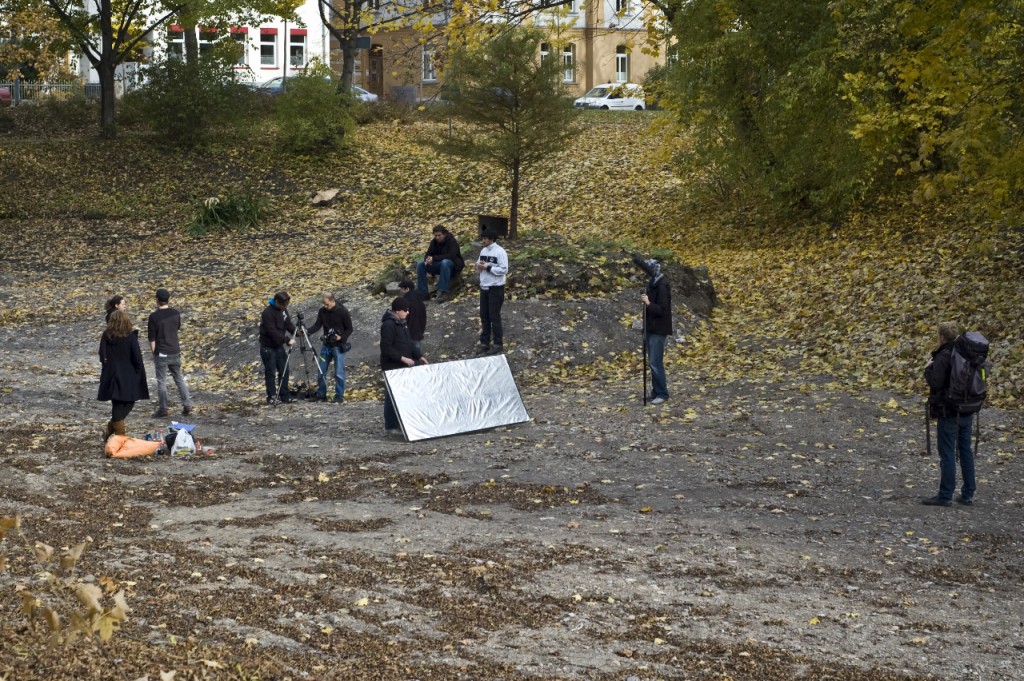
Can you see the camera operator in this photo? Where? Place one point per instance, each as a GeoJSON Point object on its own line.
{"type": "Point", "coordinates": [336, 322]}
{"type": "Point", "coordinates": [277, 332]}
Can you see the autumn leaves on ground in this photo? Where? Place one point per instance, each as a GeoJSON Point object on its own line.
{"type": "Point", "coordinates": [761, 526]}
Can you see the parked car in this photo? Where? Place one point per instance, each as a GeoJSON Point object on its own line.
{"type": "Point", "coordinates": [276, 86]}
{"type": "Point", "coordinates": [5, 96]}
{"type": "Point", "coordinates": [626, 96]}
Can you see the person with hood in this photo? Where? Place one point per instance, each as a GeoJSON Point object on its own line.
{"type": "Point", "coordinates": [953, 431]}
{"type": "Point", "coordinates": [417, 319]}
{"type": "Point", "coordinates": [277, 333]}
{"type": "Point", "coordinates": [493, 268]}
{"type": "Point", "coordinates": [443, 258]}
{"type": "Point", "coordinates": [396, 352]}
{"type": "Point", "coordinates": [657, 301]}
{"type": "Point", "coordinates": [122, 373]}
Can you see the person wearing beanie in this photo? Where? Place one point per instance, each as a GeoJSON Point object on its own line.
{"type": "Point", "coordinates": [164, 325]}
{"type": "Point", "coordinates": [493, 268]}
{"type": "Point", "coordinates": [657, 301]}
{"type": "Point", "coordinates": [417, 319]}
{"type": "Point", "coordinates": [277, 333]}
{"type": "Point", "coordinates": [122, 372]}
{"type": "Point", "coordinates": [396, 352]}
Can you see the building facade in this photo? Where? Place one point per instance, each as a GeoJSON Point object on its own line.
{"type": "Point", "coordinates": [597, 41]}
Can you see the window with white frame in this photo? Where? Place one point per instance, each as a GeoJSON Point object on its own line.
{"type": "Point", "coordinates": [268, 47]}
{"type": "Point", "coordinates": [240, 36]}
{"type": "Point", "coordinates": [622, 6]}
{"type": "Point", "coordinates": [429, 68]}
{"type": "Point", "coordinates": [545, 51]}
{"type": "Point", "coordinates": [621, 64]}
{"type": "Point", "coordinates": [297, 49]}
{"type": "Point", "coordinates": [207, 40]}
{"type": "Point", "coordinates": [569, 63]}
{"type": "Point", "coordinates": [176, 42]}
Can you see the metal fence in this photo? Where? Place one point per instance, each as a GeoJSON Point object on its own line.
{"type": "Point", "coordinates": [28, 91]}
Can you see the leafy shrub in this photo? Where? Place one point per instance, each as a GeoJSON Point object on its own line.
{"type": "Point", "coordinates": [312, 115]}
{"type": "Point", "coordinates": [388, 111]}
{"type": "Point", "coordinates": [187, 104]}
{"type": "Point", "coordinates": [239, 210]}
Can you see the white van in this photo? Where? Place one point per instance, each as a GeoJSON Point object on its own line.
{"type": "Point", "coordinates": [614, 96]}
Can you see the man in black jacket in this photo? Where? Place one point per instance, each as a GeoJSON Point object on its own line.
{"type": "Point", "coordinates": [417, 319]}
{"type": "Point", "coordinates": [658, 316]}
{"type": "Point", "coordinates": [444, 258]}
{"type": "Point", "coordinates": [396, 352]}
{"type": "Point", "coordinates": [336, 322]}
{"type": "Point", "coordinates": [953, 431]}
{"type": "Point", "coordinates": [277, 332]}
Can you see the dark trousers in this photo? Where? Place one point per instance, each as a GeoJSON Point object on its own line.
{"type": "Point", "coordinates": [954, 436]}
{"type": "Point", "coordinates": [390, 415]}
{"type": "Point", "coordinates": [491, 301]}
{"type": "Point", "coordinates": [119, 410]}
{"type": "Point", "coordinates": [275, 370]}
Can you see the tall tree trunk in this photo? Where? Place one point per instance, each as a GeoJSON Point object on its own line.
{"type": "Point", "coordinates": [191, 43]}
{"type": "Point", "coordinates": [108, 102]}
{"type": "Point", "coordinates": [349, 52]}
{"type": "Point", "coordinates": [105, 69]}
{"type": "Point", "coordinates": [513, 215]}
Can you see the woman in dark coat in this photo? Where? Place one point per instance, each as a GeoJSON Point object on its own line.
{"type": "Point", "coordinates": [123, 375]}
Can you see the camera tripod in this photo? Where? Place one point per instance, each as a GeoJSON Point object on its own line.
{"type": "Point", "coordinates": [305, 345]}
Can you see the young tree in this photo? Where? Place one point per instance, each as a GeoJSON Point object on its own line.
{"type": "Point", "coordinates": [516, 107]}
{"type": "Point", "coordinates": [107, 32]}
{"type": "Point", "coordinates": [33, 43]}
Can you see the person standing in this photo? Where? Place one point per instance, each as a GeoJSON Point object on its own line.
{"type": "Point", "coordinates": [122, 372]}
{"type": "Point", "coordinates": [336, 322]}
{"type": "Point", "coordinates": [115, 303]}
{"type": "Point", "coordinates": [396, 352]}
{"type": "Point", "coordinates": [657, 301]}
{"type": "Point", "coordinates": [493, 268]}
{"type": "Point", "coordinates": [417, 319]}
{"type": "Point", "coordinates": [443, 258]}
{"type": "Point", "coordinates": [277, 333]}
{"type": "Point", "coordinates": [953, 431]}
{"type": "Point", "coordinates": [163, 327]}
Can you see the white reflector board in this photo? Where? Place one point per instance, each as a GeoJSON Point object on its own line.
{"type": "Point", "coordinates": [449, 398]}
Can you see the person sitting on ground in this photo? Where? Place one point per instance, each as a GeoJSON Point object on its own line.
{"type": "Point", "coordinates": [336, 322]}
{"type": "Point", "coordinates": [122, 373]}
{"type": "Point", "coordinates": [396, 352]}
{"type": "Point", "coordinates": [417, 319]}
{"type": "Point", "coordinates": [444, 258]}
{"type": "Point", "coordinates": [163, 328]}
{"type": "Point", "coordinates": [115, 303]}
{"type": "Point", "coordinates": [953, 431]}
{"type": "Point", "coordinates": [276, 333]}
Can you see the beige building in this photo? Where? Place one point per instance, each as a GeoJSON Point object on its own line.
{"type": "Point", "coordinates": [597, 41]}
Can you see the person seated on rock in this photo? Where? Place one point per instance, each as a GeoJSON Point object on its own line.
{"type": "Point", "coordinates": [443, 258]}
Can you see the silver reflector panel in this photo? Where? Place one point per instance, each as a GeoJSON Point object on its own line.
{"type": "Point", "coordinates": [449, 398]}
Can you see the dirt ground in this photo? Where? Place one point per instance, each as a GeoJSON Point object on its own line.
{"type": "Point", "coordinates": [742, 531]}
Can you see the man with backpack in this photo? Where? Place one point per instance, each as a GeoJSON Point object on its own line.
{"type": "Point", "coordinates": [956, 379]}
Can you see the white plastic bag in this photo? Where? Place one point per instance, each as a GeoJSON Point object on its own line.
{"type": "Point", "coordinates": [184, 445]}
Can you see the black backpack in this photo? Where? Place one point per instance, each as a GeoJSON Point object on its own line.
{"type": "Point", "coordinates": [968, 373]}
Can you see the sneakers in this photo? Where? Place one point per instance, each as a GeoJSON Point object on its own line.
{"type": "Point", "coordinates": [936, 501]}
{"type": "Point", "coordinates": [338, 399]}
{"type": "Point", "coordinates": [160, 414]}
{"type": "Point", "coordinates": [496, 350]}
{"type": "Point", "coordinates": [443, 297]}
{"type": "Point", "coordinates": [966, 501]}
{"type": "Point", "coordinates": [658, 400]}
{"type": "Point", "coordinates": [483, 349]}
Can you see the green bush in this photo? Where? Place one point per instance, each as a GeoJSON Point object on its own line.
{"type": "Point", "coordinates": [312, 115]}
{"type": "Point", "coordinates": [239, 210]}
{"type": "Point", "coordinates": [189, 104]}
